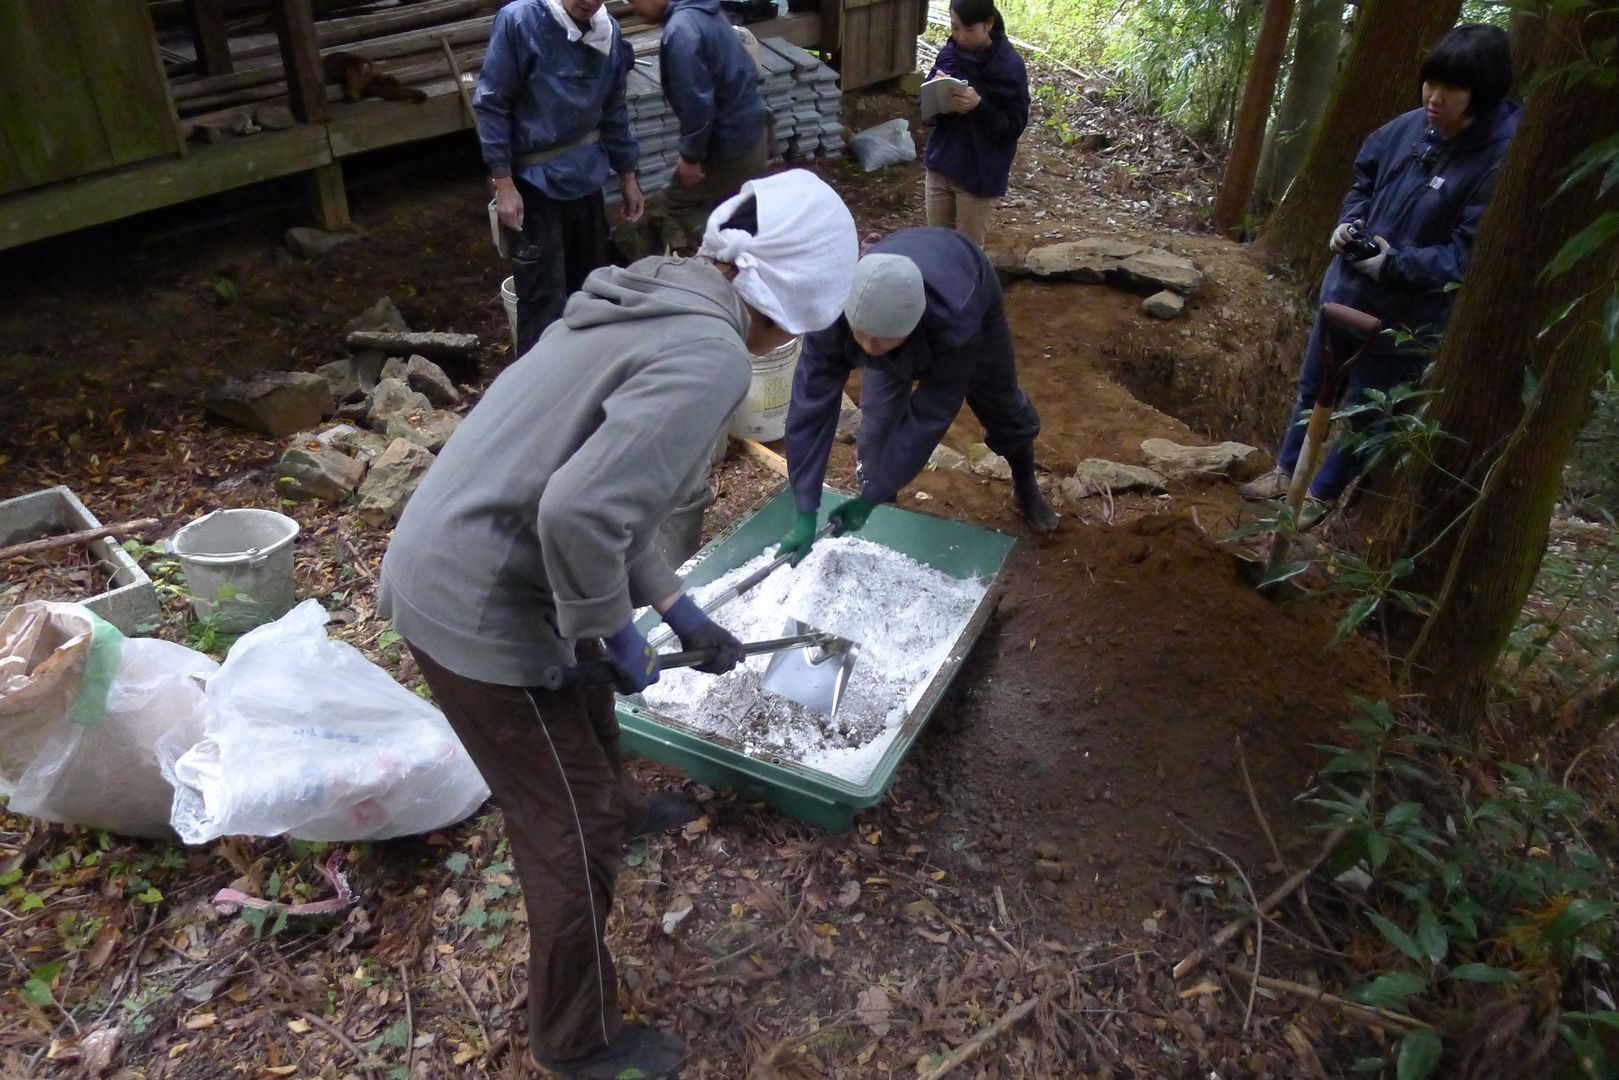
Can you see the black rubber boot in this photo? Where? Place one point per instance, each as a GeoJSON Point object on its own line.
{"type": "Point", "coordinates": [637, 1051]}
{"type": "Point", "coordinates": [665, 810]}
{"type": "Point", "coordinates": [1031, 503]}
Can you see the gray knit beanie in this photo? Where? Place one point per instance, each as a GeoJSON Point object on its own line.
{"type": "Point", "coordinates": [887, 300]}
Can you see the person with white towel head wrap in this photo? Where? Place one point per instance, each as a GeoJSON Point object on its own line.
{"type": "Point", "coordinates": [530, 544]}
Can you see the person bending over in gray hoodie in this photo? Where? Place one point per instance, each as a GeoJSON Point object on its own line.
{"type": "Point", "coordinates": [529, 545]}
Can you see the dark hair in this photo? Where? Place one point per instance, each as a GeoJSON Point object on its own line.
{"type": "Point", "coordinates": [1476, 57]}
{"type": "Point", "coordinates": [973, 12]}
{"type": "Point", "coordinates": [746, 217]}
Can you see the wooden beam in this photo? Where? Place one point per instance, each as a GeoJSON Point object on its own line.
{"type": "Point", "coordinates": [208, 34]}
{"type": "Point", "coordinates": [118, 193]}
{"type": "Point", "coordinates": [328, 201]}
{"type": "Point", "coordinates": [300, 56]}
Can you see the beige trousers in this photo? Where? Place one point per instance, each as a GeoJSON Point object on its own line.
{"type": "Point", "coordinates": [953, 207]}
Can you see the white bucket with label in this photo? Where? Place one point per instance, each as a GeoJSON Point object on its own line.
{"type": "Point", "coordinates": [238, 566]}
{"type": "Point", "coordinates": [508, 297]}
{"type": "Point", "coordinates": [763, 413]}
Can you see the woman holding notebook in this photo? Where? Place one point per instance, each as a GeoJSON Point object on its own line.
{"type": "Point", "coordinates": [969, 154]}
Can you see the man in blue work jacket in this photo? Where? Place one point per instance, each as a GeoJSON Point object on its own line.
{"type": "Point", "coordinates": [926, 325]}
{"type": "Point", "coordinates": [554, 126]}
{"type": "Point", "coordinates": [712, 84]}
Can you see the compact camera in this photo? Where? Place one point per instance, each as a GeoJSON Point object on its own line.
{"type": "Point", "coordinates": [1360, 246]}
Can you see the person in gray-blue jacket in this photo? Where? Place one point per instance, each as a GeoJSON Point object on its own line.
{"type": "Point", "coordinates": [554, 127]}
{"type": "Point", "coordinates": [1422, 182]}
{"type": "Point", "coordinates": [712, 84]}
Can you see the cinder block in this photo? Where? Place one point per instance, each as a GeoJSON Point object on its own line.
{"type": "Point", "coordinates": [130, 602]}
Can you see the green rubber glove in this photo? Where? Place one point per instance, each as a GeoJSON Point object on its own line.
{"type": "Point", "coordinates": [799, 539]}
{"type": "Point", "coordinates": [850, 516]}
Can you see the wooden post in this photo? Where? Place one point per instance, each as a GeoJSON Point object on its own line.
{"type": "Point", "coordinates": [208, 34]}
{"type": "Point", "coordinates": [1258, 91]}
{"type": "Point", "coordinates": [300, 56]}
{"type": "Point", "coordinates": [328, 202]}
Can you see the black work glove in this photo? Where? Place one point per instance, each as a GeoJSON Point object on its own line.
{"type": "Point", "coordinates": [698, 631]}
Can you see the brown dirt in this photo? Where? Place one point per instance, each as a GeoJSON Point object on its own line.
{"type": "Point", "coordinates": [1105, 700]}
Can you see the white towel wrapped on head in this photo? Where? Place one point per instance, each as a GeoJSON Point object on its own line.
{"type": "Point", "coordinates": [798, 267]}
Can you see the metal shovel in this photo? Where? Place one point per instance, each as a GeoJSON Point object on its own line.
{"type": "Point", "coordinates": [816, 675]}
{"type": "Point", "coordinates": [817, 671]}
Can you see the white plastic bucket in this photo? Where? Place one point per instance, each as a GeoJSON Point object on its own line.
{"type": "Point", "coordinates": [238, 566]}
{"type": "Point", "coordinates": [508, 297]}
{"type": "Point", "coordinates": [763, 413]}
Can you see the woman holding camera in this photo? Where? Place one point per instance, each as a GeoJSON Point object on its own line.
{"type": "Point", "coordinates": [1405, 234]}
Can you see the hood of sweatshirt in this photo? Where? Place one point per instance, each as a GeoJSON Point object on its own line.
{"type": "Point", "coordinates": [655, 288]}
{"type": "Point", "coordinates": [707, 7]}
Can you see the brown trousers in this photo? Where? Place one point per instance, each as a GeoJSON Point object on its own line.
{"type": "Point", "coordinates": [690, 206]}
{"type": "Point", "coordinates": [552, 763]}
{"type": "Point", "coordinates": [951, 206]}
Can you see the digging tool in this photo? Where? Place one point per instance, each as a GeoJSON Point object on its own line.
{"type": "Point", "coordinates": [725, 596]}
{"type": "Point", "coordinates": [1361, 325]}
{"type": "Point", "coordinates": [816, 681]}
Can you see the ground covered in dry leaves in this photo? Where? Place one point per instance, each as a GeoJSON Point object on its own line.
{"type": "Point", "coordinates": [1134, 726]}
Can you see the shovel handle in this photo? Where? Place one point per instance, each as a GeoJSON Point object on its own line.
{"type": "Point", "coordinates": [600, 672]}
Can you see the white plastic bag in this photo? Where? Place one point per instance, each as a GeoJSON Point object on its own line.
{"type": "Point", "coordinates": [82, 709]}
{"type": "Point", "coordinates": [888, 143]}
{"type": "Point", "coordinates": [305, 736]}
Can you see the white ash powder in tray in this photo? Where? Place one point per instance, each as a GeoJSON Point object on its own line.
{"type": "Point", "coordinates": [905, 617]}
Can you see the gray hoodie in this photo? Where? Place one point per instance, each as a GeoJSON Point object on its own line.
{"type": "Point", "coordinates": [534, 528]}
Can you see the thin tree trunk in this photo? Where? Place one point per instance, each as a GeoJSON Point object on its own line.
{"type": "Point", "coordinates": [1483, 574]}
{"type": "Point", "coordinates": [1309, 83]}
{"type": "Point", "coordinates": [1258, 92]}
{"type": "Point", "coordinates": [1378, 82]}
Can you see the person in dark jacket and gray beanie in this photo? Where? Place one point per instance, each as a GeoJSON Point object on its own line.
{"type": "Point", "coordinates": [1421, 185]}
{"type": "Point", "coordinates": [926, 326]}
{"type": "Point", "coordinates": [969, 153]}
{"type": "Point", "coordinates": [529, 545]}
{"type": "Point", "coordinates": [712, 84]}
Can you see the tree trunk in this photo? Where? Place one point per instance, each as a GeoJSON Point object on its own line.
{"type": "Point", "coordinates": [1526, 30]}
{"type": "Point", "coordinates": [1479, 569]}
{"type": "Point", "coordinates": [1309, 83]}
{"type": "Point", "coordinates": [1258, 92]}
{"type": "Point", "coordinates": [1378, 82]}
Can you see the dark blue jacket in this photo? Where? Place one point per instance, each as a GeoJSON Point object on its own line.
{"type": "Point", "coordinates": [539, 90]}
{"type": "Point", "coordinates": [711, 82]}
{"type": "Point", "coordinates": [940, 356]}
{"type": "Point", "coordinates": [1425, 197]}
{"type": "Point", "coordinates": [975, 149]}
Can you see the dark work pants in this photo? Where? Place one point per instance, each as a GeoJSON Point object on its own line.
{"type": "Point", "coordinates": [1009, 417]}
{"type": "Point", "coordinates": [552, 762]}
{"type": "Point", "coordinates": [722, 178]}
{"type": "Point", "coordinates": [1375, 371]}
{"type": "Point", "coordinates": [561, 243]}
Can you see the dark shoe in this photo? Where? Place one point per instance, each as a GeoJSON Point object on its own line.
{"type": "Point", "coordinates": [637, 1051]}
{"type": "Point", "coordinates": [1273, 485]}
{"type": "Point", "coordinates": [1037, 513]}
{"type": "Point", "coordinates": [665, 810]}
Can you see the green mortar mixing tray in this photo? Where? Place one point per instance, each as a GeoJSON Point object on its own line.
{"type": "Point", "coordinates": [802, 793]}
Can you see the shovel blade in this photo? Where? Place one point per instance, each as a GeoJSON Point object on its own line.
{"type": "Point", "coordinates": [814, 677]}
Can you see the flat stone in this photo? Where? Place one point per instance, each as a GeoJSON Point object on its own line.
{"type": "Point", "coordinates": [436, 346]}
{"type": "Point", "coordinates": [380, 318]}
{"type": "Point", "coordinates": [985, 462]}
{"type": "Point", "coordinates": [391, 400]}
{"type": "Point", "coordinates": [424, 377]}
{"type": "Point", "coordinates": [343, 376]}
{"type": "Point", "coordinates": [359, 443]}
{"type": "Point", "coordinates": [273, 117]}
{"type": "Point", "coordinates": [1164, 305]}
{"type": "Point", "coordinates": [1060, 260]}
{"type": "Point", "coordinates": [1096, 475]}
{"type": "Point", "coordinates": [947, 459]}
{"type": "Point", "coordinates": [318, 472]}
{"type": "Point", "coordinates": [1227, 460]}
{"type": "Point", "coordinates": [430, 429]}
{"type": "Point", "coordinates": [277, 403]}
{"type": "Point", "coordinates": [312, 243]}
{"type": "Point", "coordinates": [1161, 270]}
{"type": "Point", "coordinates": [848, 421]}
{"type": "Point", "coordinates": [393, 479]}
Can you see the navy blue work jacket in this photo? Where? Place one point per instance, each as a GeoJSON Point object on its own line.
{"type": "Point", "coordinates": [711, 82]}
{"type": "Point", "coordinates": [538, 90]}
{"type": "Point", "coordinates": [975, 149]}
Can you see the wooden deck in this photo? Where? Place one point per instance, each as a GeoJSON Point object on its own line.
{"type": "Point", "coordinates": [239, 160]}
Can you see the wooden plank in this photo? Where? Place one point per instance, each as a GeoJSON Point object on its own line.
{"type": "Point", "coordinates": [300, 57]}
{"type": "Point", "coordinates": [328, 201]}
{"type": "Point", "coordinates": [207, 23]}
{"type": "Point", "coordinates": [126, 82]}
{"type": "Point", "coordinates": [364, 126]}
{"type": "Point", "coordinates": [46, 106]}
{"type": "Point", "coordinates": [118, 193]}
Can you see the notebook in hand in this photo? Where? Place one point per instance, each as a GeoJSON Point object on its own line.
{"type": "Point", "coordinates": [936, 95]}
